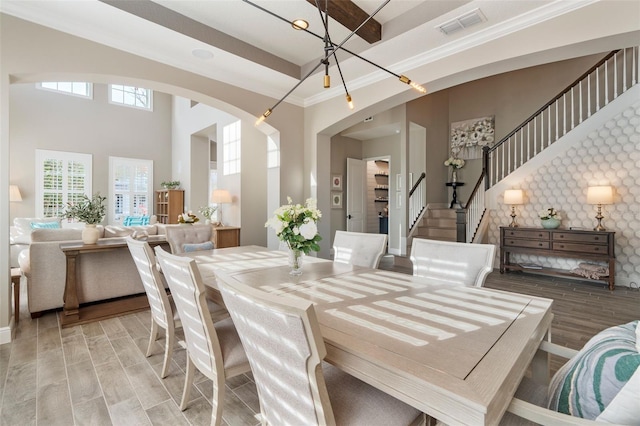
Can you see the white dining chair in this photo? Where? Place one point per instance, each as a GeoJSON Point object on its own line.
{"type": "Point", "coordinates": [359, 248]}
{"type": "Point", "coordinates": [295, 387]}
{"type": "Point", "coordinates": [214, 349]}
{"type": "Point", "coordinates": [186, 238]}
{"type": "Point", "coordinates": [163, 311]}
{"type": "Point", "coordinates": [452, 262]}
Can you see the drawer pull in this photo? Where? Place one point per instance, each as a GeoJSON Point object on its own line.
{"type": "Point", "coordinates": [539, 244]}
{"type": "Point", "coordinates": [596, 248]}
{"type": "Point", "coordinates": [561, 245]}
{"type": "Point", "coordinates": [561, 236]}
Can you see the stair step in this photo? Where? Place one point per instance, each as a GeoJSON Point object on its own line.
{"type": "Point", "coordinates": [441, 213]}
{"type": "Point", "coordinates": [437, 232]}
{"type": "Point", "coordinates": [439, 222]}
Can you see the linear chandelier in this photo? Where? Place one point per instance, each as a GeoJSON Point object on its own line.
{"type": "Point", "coordinates": [330, 50]}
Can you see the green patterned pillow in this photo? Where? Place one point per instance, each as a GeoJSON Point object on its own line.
{"type": "Point", "coordinates": [603, 374]}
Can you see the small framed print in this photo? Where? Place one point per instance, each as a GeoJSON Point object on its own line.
{"type": "Point", "coordinates": [336, 182]}
{"type": "Point", "coordinates": [336, 200]}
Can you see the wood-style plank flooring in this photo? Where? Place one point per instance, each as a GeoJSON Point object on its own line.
{"type": "Point", "coordinates": [97, 373]}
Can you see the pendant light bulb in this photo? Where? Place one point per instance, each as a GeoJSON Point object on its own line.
{"type": "Point", "coordinates": [416, 86]}
{"type": "Point", "coordinates": [263, 117]}
{"type": "Point", "coordinates": [327, 81]}
{"type": "Point", "coordinates": [349, 101]}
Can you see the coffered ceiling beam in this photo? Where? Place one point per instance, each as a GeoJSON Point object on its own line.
{"type": "Point", "coordinates": [348, 14]}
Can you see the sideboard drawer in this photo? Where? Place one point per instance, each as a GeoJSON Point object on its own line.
{"type": "Point", "coordinates": [582, 238]}
{"type": "Point", "coordinates": [513, 242]}
{"type": "Point", "coordinates": [580, 248]}
{"type": "Point", "coordinates": [535, 235]}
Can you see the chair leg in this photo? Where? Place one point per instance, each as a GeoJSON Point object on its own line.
{"type": "Point", "coordinates": [188, 382]}
{"type": "Point", "coordinates": [217, 401]}
{"type": "Point", "coordinates": [168, 352]}
{"type": "Point", "coordinates": [152, 337]}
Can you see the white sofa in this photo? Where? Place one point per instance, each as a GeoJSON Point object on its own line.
{"type": "Point", "coordinates": [103, 275]}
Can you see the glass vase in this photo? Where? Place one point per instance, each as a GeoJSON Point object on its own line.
{"type": "Point", "coordinates": [454, 176]}
{"type": "Point", "coordinates": [295, 261]}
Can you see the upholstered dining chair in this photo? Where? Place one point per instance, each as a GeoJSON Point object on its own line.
{"type": "Point", "coordinates": [359, 248]}
{"type": "Point", "coordinates": [214, 349]}
{"type": "Point", "coordinates": [295, 387]}
{"type": "Point", "coordinates": [451, 262]}
{"type": "Point", "coordinates": [185, 238]}
{"type": "Point", "coordinates": [163, 312]}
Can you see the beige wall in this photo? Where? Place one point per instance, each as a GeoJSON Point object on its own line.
{"type": "Point", "coordinates": [42, 119]}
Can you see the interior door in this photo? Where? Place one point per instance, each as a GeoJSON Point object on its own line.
{"type": "Point", "coordinates": [356, 194]}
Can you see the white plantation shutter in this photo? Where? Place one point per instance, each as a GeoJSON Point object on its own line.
{"type": "Point", "coordinates": [131, 188]}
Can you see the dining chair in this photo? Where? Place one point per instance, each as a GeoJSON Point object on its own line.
{"type": "Point", "coordinates": [295, 387]}
{"type": "Point", "coordinates": [214, 349]}
{"type": "Point", "coordinates": [359, 248]}
{"type": "Point", "coordinates": [163, 312]}
{"type": "Point", "coordinates": [187, 238]}
{"type": "Point", "coordinates": [452, 262]}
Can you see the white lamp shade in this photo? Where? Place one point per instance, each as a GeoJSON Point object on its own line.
{"type": "Point", "coordinates": [513, 196]}
{"type": "Point", "coordinates": [220, 196]}
{"type": "Point", "coordinates": [600, 195]}
{"type": "Point", "coordinates": [14, 193]}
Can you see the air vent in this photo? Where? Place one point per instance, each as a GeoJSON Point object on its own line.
{"type": "Point", "coordinates": [368, 119]}
{"type": "Point", "coordinates": [461, 22]}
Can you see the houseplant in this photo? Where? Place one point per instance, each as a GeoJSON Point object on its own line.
{"type": "Point", "coordinates": [207, 212]}
{"type": "Point", "coordinates": [172, 184]}
{"type": "Point", "coordinates": [296, 225]}
{"type": "Point", "coordinates": [550, 218]}
{"type": "Point", "coordinates": [91, 211]}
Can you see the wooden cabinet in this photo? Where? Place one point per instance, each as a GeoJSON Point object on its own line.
{"type": "Point", "coordinates": [578, 244]}
{"type": "Point", "coordinates": [169, 203]}
{"type": "Point", "coordinates": [226, 236]}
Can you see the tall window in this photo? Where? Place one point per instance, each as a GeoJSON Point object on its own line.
{"type": "Point", "coordinates": [75, 88]}
{"type": "Point", "coordinates": [131, 186]}
{"type": "Point", "coordinates": [231, 136]}
{"type": "Point", "coordinates": [273, 153]}
{"type": "Point", "coordinates": [136, 97]}
{"type": "Point", "coordinates": [61, 178]}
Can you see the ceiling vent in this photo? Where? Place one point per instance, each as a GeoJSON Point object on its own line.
{"type": "Point", "coordinates": [461, 22]}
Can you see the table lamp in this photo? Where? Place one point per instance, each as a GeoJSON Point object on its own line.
{"type": "Point", "coordinates": [220, 196]}
{"type": "Point", "coordinates": [14, 193]}
{"type": "Point", "coordinates": [513, 197]}
{"type": "Point", "coordinates": [600, 195]}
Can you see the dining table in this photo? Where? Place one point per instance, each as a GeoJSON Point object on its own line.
{"type": "Point", "coordinates": [456, 353]}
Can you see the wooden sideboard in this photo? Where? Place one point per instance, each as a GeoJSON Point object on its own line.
{"type": "Point", "coordinates": [226, 236]}
{"type": "Point", "coordinates": [579, 244]}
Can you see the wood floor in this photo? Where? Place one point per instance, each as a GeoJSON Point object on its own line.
{"type": "Point", "coordinates": [97, 373]}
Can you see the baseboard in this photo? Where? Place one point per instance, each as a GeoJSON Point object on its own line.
{"type": "Point", "coordinates": [6, 333]}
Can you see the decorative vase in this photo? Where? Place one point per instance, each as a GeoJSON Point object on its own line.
{"type": "Point", "coordinates": [90, 234]}
{"type": "Point", "coordinates": [295, 261]}
{"type": "Point", "coordinates": [454, 176]}
{"type": "Point", "coordinates": [551, 223]}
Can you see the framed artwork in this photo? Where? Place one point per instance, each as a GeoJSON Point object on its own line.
{"type": "Point", "coordinates": [469, 136]}
{"type": "Point", "coordinates": [336, 200]}
{"type": "Point", "coordinates": [336, 182]}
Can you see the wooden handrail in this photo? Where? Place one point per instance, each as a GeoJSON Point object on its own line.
{"type": "Point", "coordinates": [548, 104]}
{"type": "Point", "coordinates": [414, 187]}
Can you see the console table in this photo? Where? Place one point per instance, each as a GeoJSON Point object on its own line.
{"type": "Point", "coordinates": [454, 196]}
{"type": "Point", "coordinates": [226, 236]}
{"type": "Point", "coordinates": [577, 244]}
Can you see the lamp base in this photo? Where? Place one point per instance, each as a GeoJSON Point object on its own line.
{"type": "Point", "coordinates": [513, 223]}
{"type": "Point", "coordinates": [599, 217]}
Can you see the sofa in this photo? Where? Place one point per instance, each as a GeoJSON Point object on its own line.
{"type": "Point", "coordinates": [104, 275]}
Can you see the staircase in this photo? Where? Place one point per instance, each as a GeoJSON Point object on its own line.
{"type": "Point", "coordinates": [437, 224]}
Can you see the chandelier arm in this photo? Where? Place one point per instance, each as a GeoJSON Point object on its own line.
{"type": "Point", "coordinates": [341, 76]}
{"type": "Point", "coordinates": [296, 85]}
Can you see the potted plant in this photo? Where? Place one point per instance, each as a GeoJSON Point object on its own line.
{"type": "Point", "coordinates": [91, 211]}
{"type": "Point", "coordinates": [172, 184]}
{"type": "Point", "coordinates": [207, 212]}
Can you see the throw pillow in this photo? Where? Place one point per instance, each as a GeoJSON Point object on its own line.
{"type": "Point", "coordinates": [135, 220]}
{"type": "Point", "coordinates": [197, 247]}
{"type": "Point", "coordinates": [602, 374]}
{"type": "Point", "coordinates": [45, 225]}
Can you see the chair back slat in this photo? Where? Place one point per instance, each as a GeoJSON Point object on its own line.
{"type": "Point", "coordinates": [359, 248]}
{"type": "Point", "coordinates": [446, 262]}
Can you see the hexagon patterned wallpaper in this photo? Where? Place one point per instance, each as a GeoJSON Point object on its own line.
{"type": "Point", "coordinates": [609, 156]}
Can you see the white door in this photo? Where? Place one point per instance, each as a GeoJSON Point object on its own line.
{"type": "Point", "coordinates": [356, 194]}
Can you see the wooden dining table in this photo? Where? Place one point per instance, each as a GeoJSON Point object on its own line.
{"type": "Point", "coordinates": [456, 353]}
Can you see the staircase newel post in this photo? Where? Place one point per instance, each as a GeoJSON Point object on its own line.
{"type": "Point", "coordinates": [485, 166]}
{"type": "Point", "coordinates": [461, 225]}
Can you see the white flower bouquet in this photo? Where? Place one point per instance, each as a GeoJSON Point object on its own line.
{"type": "Point", "coordinates": [549, 213]}
{"type": "Point", "coordinates": [455, 163]}
{"type": "Point", "coordinates": [296, 225]}
{"type": "Point", "coordinates": [188, 218]}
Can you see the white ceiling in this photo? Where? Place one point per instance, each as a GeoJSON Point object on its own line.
{"type": "Point", "coordinates": [258, 52]}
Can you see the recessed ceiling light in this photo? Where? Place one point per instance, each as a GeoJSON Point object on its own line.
{"type": "Point", "coordinates": [202, 54]}
{"type": "Point", "coordinates": [300, 24]}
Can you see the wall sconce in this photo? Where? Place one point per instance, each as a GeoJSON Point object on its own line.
{"type": "Point", "coordinates": [513, 197]}
{"type": "Point", "coordinates": [600, 195]}
{"type": "Point", "coordinates": [14, 193]}
{"type": "Point", "coordinates": [220, 196]}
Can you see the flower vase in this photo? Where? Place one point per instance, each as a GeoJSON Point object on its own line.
{"type": "Point", "coordinates": [90, 234]}
{"type": "Point", "coordinates": [295, 261]}
{"type": "Point", "coordinates": [454, 176]}
{"type": "Point", "coordinates": [551, 223]}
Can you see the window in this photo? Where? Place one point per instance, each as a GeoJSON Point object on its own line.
{"type": "Point", "coordinates": [136, 97]}
{"type": "Point", "coordinates": [131, 183]}
{"type": "Point", "coordinates": [61, 178]}
{"type": "Point", "coordinates": [231, 148]}
{"type": "Point", "coordinates": [75, 88]}
{"type": "Point", "coordinates": [273, 153]}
